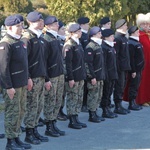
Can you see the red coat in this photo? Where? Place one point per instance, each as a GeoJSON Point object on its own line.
{"type": "Point", "coordinates": [144, 89]}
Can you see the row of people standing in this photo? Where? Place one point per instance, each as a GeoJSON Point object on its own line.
{"type": "Point", "coordinates": [37, 60]}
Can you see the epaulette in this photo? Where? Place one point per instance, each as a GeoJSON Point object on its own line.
{"type": "Point", "coordinates": [93, 45]}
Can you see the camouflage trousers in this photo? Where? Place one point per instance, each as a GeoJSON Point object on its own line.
{"type": "Point", "coordinates": [53, 98]}
{"type": "Point", "coordinates": [14, 112]}
{"type": "Point", "coordinates": [35, 102]}
{"type": "Point", "coordinates": [74, 97]}
{"type": "Point", "coordinates": [94, 95]}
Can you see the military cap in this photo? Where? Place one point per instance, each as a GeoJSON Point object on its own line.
{"type": "Point", "coordinates": [73, 27]}
{"type": "Point", "coordinates": [120, 23]}
{"type": "Point", "coordinates": [34, 16]}
{"type": "Point", "coordinates": [11, 20]}
{"type": "Point", "coordinates": [20, 17]}
{"type": "Point", "coordinates": [107, 32]}
{"type": "Point", "coordinates": [104, 20]}
{"type": "Point", "coordinates": [132, 29]}
{"type": "Point", "coordinates": [94, 30]}
{"type": "Point", "coordinates": [83, 20]}
{"type": "Point", "coordinates": [50, 20]}
{"type": "Point", "coordinates": [61, 24]}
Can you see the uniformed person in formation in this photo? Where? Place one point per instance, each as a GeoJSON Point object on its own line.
{"type": "Point", "coordinates": [95, 68]}
{"type": "Point", "coordinates": [123, 64]}
{"type": "Point", "coordinates": [62, 37]}
{"type": "Point", "coordinates": [75, 74]}
{"type": "Point", "coordinates": [110, 72]}
{"type": "Point", "coordinates": [84, 40]}
{"type": "Point", "coordinates": [55, 72]}
{"type": "Point", "coordinates": [105, 23]}
{"type": "Point", "coordinates": [13, 80]}
{"type": "Point", "coordinates": [36, 46]}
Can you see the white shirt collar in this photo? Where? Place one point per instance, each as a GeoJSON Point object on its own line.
{"type": "Point", "coordinates": [135, 37]}
{"type": "Point", "coordinates": [37, 32]}
{"type": "Point", "coordinates": [97, 40]}
{"type": "Point", "coordinates": [109, 43]}
{"type": "Point", "coordinates": [13, 35]}
{"type": "Point", "coordinates": [76, 40]}
{"type": "Point", "coordinates": [120, 31]}
{"type": "Point", "coordinates": [63, 37]}
{"type": "Point", "coordinates": [85, 31]}
{"type": "Point", "coordinates": [53, 33]}
{"type": "Point", "coordinates": [102, 28]}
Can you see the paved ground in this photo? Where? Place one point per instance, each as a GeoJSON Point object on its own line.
{"type": "Point", "coordinates": [130, 131]}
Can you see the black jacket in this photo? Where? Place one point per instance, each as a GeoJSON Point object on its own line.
{"type": "Point", "coordinates": [122, 52]}
{"type": "Point", "coordinates": [36, 54]}
{"type": "Point", "coordinates": [84, 40]}
{"type": "Point", "coordinates": [110, 61]}
{"type": "Point", "coordinates": [54, 56]}
{"type": "Point", "coordinates": [136, 55]}
{"type": "Point", "coordinates": [74, 61]}
{"type": "Point", "coordinates": [13, 63]}
{"type": "Point", "coordinates": [94, 58]}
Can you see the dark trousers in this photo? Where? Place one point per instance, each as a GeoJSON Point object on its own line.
{"type": "Point", "coordinates": [133, 85]}
{"type": "Point", "coordinates": [85, 92]}
{"type": "Point", "coordinates": [107, 92]}
{"type": "Point", "coordinates": [119, 86]}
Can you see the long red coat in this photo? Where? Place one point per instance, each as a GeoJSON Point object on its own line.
{"type": "Point", "coordinates": [144, 88]}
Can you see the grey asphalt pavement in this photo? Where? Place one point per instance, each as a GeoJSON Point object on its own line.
{"type": "Point", "coordinates": [130, 131]}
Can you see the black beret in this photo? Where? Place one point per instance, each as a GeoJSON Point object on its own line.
{"type": "Point", "coordinates": [74, 27]}
{"type": "Point", "coordinates": [104, 20]}
{"type": "Point", "coordinates": [20, 17]}
{"type": "Point", "coordinates": [34, 16]}
{"type": "Point", "coordinates": [83, 20]}
{"type": "Point", "coordinates": [132, 29]}
{"type": "Point", "coordinates": [120, 23]}
{"type": "Point", "coordinates": [107, 32]}
{"type": "Point", "coordinates": [11, 20]}
{"type": "Point", "coordinates": [94, 30]}
{"type": "Point", "coordinates": [50, 20]}
{"type": "Point", "coordinates": [61, 24]}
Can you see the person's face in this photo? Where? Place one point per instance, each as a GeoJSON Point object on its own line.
{"type": "Point", "coordinates": [124, 27]}
{"type": "Point", "coordinates": [98, 35]}
{"type": "Point", "coordinates": [78, 33]}
{"type": "Point", "coordinates": [110, 38]}
{"type": "Point", "coordinates": [85, 26]}
{"type": "Point", "coordinates": [54, 26]}
{"type": "Point", "coordinates": [107, 25]}
{"type": "Point", "coordinates": [41, 24]}
{"type": "Point", "coordinates": [61, 31]}
{"type": "Point", "coordinates": [145, 26]}
{"type": "Point", "coordinates": [36, 25]}
{"type": "Point", "coordinates": [16, 29]}
{"type": "Point", "coordinates": [136, 33]}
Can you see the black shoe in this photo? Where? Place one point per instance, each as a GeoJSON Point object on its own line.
{"type": "Point", "coordinates": [61, 115]}
{"type": "Point", "coordinates": [111, 106]}
{"type": "Point", "coordinates": [56, 128]}
{"type": "Point", "coordinates": [23, 129]}
{"type": "Point", "coordinates": [84, 108]}
{"type": "Point", "coordinates": [107, 113]}
{"type": "Point", "coordinates": [72, 124]}
{"type": "Point", "coordinates": [78, 122]}
{"type": "Point", "coordinates": [50, 131]}
{"type": "Point", "coordinates": [93, 117]}
{"type": "Point", "coordinates": [101, 118]}
{"type": "Point", "coordinates": [38, 136]}
{"type": "Point", "coordinates": [134, 106]}
{"type": "Point", "coordinates": [41, 122]}
{"type": "Point", "coordinates": [2, 136]}
{"type": "Point", "coordinates": [20, 143]}
{"type": "Point", "coordinates": [12, 145]}
{"type": "Point", "coordinates": [119, 109]}
{"type": "Point", "coordinates": [30, 138]}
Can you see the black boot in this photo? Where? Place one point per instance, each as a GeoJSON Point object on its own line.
{"type": "Point", "coordinates": [30, 138]}
{"type": "Point", "coordinates": [20, 143]}
{"type": "Point", "coordinates": [61, 115]}
{"type": "Point", "coordinates": [2, 136]}
{"type": "Point", "coordinates": [119, 109]}
{"type": "Point", "coordinates": [38, 136]}
{"type": "Point", "coordinates": [133, 105]}
{"type": "Point", "coordinates": [107, 113]}
{"type": "Point", "coordinates": [73, 124]}
{"type": "Point", "coordinates": [23, 129]}
{"type": "Point", "coordinates": [12, 145]}
{"type": "Point", "coordinates": [78, 122]}
{"type": "Point", "coordinates": [56, 129]}
{"type": "Point", "coordinates": [93, 117]}
{"type": "Point", "coordinates": [50, 129]}
{"type": "Point", "coordinates": [41, 122]}
{"type": "Point", "coordinates": [101, 118]}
